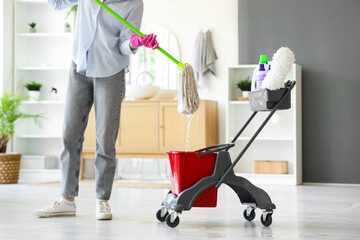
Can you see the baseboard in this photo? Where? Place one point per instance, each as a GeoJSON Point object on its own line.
{"type": "Point", "coordinates": [38, 176]}
{"type": "Point", "coordinates": [331, 184]}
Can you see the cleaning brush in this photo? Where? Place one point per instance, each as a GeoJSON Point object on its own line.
{"type": "Point", "coordinates": [188, 101]}
{"type": "Point", "coordinates": [280, 67]}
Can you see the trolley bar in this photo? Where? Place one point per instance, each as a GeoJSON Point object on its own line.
{"type": "Point", "coordinates": [215, 146]}
{"type": "Point", "coordinates": [243, 128]}
{"type": "Point", "coordinates": [226, 147]}
{"type": "Point", "coordinates": [287, 92]}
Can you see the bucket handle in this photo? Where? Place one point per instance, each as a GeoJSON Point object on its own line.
{"type": "Point", "coordinates": [218, 148]}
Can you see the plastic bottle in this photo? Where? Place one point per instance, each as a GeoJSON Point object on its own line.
{"type": "Point", "coordinates": [261, 73]}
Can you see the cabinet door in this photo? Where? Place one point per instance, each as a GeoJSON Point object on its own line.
{"type": "Point", "coordinates": [89, 142]}
{"type": "Point", "coordinates": [173, 129]}
{"type": "Point", "coordinates": [139, 123]}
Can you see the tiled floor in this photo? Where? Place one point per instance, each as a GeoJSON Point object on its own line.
{"type": "Point", "coordinates": [303, 212]}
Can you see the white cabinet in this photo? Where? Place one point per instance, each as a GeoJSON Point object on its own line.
{"type": "Point", "coordinates": [44, 57]}
{"type": "Point", "coordinates": [280, 139]}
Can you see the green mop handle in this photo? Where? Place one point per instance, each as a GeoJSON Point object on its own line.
{"type": "Point", "coordinates": [138, 32]}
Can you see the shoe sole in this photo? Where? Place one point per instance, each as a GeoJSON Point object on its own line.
{"type": "Point", "coordinates": [59, 214]}
{"type": "Point", "coordinates": [104, 217]}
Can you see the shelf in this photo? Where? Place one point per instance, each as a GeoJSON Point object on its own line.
{"type": "Point", "coordinates": [38, 136]}
{"type": "Point", "coordinates": [31, 1]}
{"type": "Point", "coordinates": [262, 139]}
{"type": "Point", "coordinates": [245, 102]}
{"type": "Point", "coordinates": [264, 175]}
{"type": "Point", "coordinates": [251, 66]}
{"type": "Point", "coordinates": [40, 170]}
{"type": "Point", "coordinates": [239, 102]}
{"type": "Point", "coordinates": [35, 35]}
{"type": "Point", "coordinates": [33, 156]}
{"type": "Point", "coordinates": [269, 179]}
{"type": "Point", "coordinates": [45, 102]}
{"type": "Point", "coordinates": [43, 68]}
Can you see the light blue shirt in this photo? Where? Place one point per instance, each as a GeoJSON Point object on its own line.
{"type": "Point", "coordinates": [102, 43]}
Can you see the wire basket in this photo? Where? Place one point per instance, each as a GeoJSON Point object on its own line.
{"type": "Point", "coordinates": [9, 168]}
{"type": "Point", "coordinates": [265, 100]}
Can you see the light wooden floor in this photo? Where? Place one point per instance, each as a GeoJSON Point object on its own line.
{"type": "Point", "coordinates": [303, 212]}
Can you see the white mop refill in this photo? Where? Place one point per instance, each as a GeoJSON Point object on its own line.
{"type": "Point", "coordinates": [188, 98]}
{"type": "Point", "coordinates": [280, 67]}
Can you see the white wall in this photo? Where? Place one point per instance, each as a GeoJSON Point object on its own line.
{"type": "Point", "coordinates": [6, 49]}
{"type": "Point", "coordinates": [1, 46]}
{"type": "Point", "coordinates": [7, 44]}
{"type": "Point", "coordinates": [185, 18]}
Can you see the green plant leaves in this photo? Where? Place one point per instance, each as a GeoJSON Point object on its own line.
{"type": "Point", "coordinates": [10, 113]}
{"type": "Point", "coordinates": [244, 84]}
{"type": "Point", "coordinates": [33, 86]}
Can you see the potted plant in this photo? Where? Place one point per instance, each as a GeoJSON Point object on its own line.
{"type": "Point", "coordinates": [9, 115]}
{"type": "Point", "coordinates": [67, 27]}
{"type": "Point", "coordinates": [32, 27]}
{"type": "Point", "coordinates": [245, 86]}
{"type": "Point", "coordinates": [34, 89]}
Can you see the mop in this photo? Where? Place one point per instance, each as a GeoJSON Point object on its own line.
{"type": "Point", "coordinates": [188, 100]}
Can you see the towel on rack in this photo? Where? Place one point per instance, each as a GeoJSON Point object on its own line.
{"type": "Point", "coordinates": [203, 57]}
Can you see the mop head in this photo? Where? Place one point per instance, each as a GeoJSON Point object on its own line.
{"type": "Point", "coordinates": [280, 67]}
{"type": "Point", "coordinates": [188, 100]}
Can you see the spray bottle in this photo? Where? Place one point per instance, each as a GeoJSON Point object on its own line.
{"type": "Point", "coordinates": [262, 71]}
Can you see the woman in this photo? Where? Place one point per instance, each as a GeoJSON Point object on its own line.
{"type": "Point", "coordinates": [101, 50]}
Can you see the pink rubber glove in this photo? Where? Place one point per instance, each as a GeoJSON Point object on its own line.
{"type": "Point", "coordinates": [149, 41]}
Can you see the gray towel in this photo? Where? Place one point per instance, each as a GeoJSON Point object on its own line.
{"type": "Point", "coordinates": [203, 57]}
{"type": "Point", "coordinates": [210, 55]}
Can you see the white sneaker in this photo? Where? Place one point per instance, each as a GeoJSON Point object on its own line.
{"type": "Point", "coordinates": [103, 211]}
{"type": "Point", "coordinates": [58, 208]}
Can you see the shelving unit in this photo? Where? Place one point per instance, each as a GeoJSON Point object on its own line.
{"type": "Point", "coordinates": [37, 136]}
{"type": "Point", "coordinates": [43, 68]}
{"type": "Point", "coordinates": [45, 57]}
{"type": "Point", "coordinates": [280, 140]}
{"type": "Point", "coordinates": [39, 35]}
{"type": "Point", "coordinates": [43, 102]}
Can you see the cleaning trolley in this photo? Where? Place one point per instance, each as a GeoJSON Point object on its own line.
{"type": "Point", "coordinates": [196, 176]}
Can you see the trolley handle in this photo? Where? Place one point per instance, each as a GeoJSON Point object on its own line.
{"type": "Point", "coordinates": [290, 84]}
{"type": "Point", "coordinates": [218, 148]}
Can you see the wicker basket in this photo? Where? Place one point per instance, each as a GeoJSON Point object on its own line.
{"type": "Point", "coordinates": [9, 168]}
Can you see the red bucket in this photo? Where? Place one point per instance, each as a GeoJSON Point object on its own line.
{"type": "Point", "coordinates": [187, 169]}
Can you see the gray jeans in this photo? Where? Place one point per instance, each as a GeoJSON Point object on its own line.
{"type": "Point", "coordinates": [107, 95]}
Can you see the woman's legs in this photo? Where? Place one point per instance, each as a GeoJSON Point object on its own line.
{"type": "Point", "coordinates": [79, 99]}
{"type": "Point", "coordinates": [108, 95]}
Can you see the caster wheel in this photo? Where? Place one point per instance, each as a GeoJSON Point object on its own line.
{"type": "Point", "coordinates": [158, 216]}
{"type": "Point", "coordinates": [251, 216]}
{"type": "Point", "coordinates": [172, 224]}
{"type": "Point", "coordinates": [267, 222]}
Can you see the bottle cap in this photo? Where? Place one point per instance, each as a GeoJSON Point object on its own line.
{"type": "Point", "coordinates": [263, 59]}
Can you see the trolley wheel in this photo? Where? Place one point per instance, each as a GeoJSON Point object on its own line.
{"type": "Point", "coordinates": [172, 224]}
{"type": "Point", "coordinates": [158, 216]}
{"type": "Point", "coordinates": [267, 222]}
{"type": "Point", "coordinates": [251, 216]}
